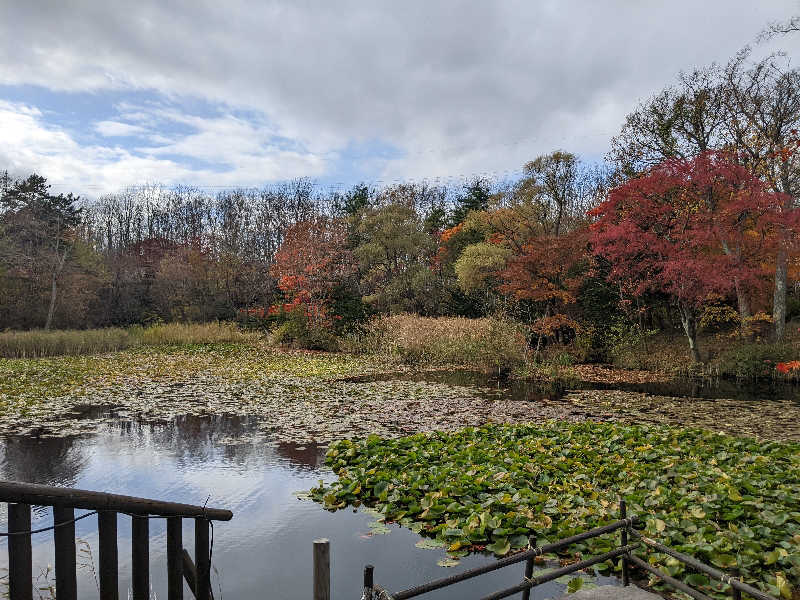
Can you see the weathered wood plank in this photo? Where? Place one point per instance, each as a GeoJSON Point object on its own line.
{"type": "Point", "coordinates": [108, 569]}
{"type": "Point", "coordinates": [20, 563]}
{"type": "Point", "coordinates": [174, 558]}
{"type": "Point", "coordinates": [140, 555]}
{"type": "Point", "coordinates": [46, 495]}
{"type": "Point", "coordinates": [322, 569]}
{"type": "Point", "coordinates": [64, 538]}
{"type": "Point", "coordinates": [202, 559]}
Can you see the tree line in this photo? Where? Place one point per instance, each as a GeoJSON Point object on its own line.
{"type": "Point", "coordinates": [691, 218]}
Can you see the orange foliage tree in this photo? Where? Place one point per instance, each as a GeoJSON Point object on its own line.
{"type": "Point", "coordinates": [311, 262]}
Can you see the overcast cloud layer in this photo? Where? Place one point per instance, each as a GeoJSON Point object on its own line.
{"type": "Point", "coordinates": [99, 95]}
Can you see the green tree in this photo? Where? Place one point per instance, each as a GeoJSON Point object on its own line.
{"type": "Point", "coordinates": [474, 197]}
{"type": "Point", "coordinates": [394, 260]}
{"type": "Point", "coordinates": [41, 229]}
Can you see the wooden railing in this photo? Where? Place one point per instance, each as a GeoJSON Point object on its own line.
{"type": "Point", "coordinates": [64, 501]}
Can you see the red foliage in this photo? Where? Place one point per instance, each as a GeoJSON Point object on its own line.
{"type": "Point", "coordinates": [690, 228]}
{"type": "Point", "coordinates": [310, 263]}
{"type": "Point", "coordinates": [547, 269]}
{"type": "Point", "coordinates": [785, 367]}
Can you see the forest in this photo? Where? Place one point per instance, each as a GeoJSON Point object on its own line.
{"type": "Point", "coordinates": [688, 226]}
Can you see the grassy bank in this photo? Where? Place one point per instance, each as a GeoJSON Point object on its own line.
{"type": "Point", "coordinates": [493, 345]}
{"type": "Point", "coordinates": [724, 355]}
{"type": "Point", "coordinates": [41, 343]}
{"type": "Point", "coordinates": [733, 502]}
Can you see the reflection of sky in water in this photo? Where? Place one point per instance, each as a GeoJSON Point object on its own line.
{"type": "Point", "coordinates": [265, 551]}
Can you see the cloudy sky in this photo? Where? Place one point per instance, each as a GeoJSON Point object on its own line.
{"type": "Point", "coordinates": [98, 95]}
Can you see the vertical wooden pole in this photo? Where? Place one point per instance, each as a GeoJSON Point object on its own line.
{"type": "Point", "coordinates": [202, 558]}
{"type": "Point", "coordinates": [174, 558]}
{"type": "Point", "coordinates": [369, 581]}
{"type": "Point", "coordinates": [109, 555]}
{"type": "Point", "coordinates": [735, 593]}
{"type": "Point", "coordinates": [64, 540]}
{"type": "Point", "coordinates": [623, 514]}
{"type": "Point", "coordinates": [140, 557]}
{"type": "Point", "coordinates": [322, 569]}
{"type": "Point", "coordinates": [20, 562]}
{"type": "Point", "coordinates": [526, 594]}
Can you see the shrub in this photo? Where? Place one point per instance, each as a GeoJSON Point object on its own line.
{"type": "Point", "coordinates": [297, 330]}
{"type": "Point", "coordinates": [492, 344]}
{"type": "Point", "coordinates": [38, 342]}
{"type": "Point", "coordinates": [753, 361]}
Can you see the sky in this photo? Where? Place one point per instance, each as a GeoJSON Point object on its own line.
{"type": "Point", "coordinates": [104, 94]}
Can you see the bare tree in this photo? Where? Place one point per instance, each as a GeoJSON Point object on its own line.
{"type": "Point", "coordinates": [780, 28]}
{"type": "Point", "coordinates": [763, 116]}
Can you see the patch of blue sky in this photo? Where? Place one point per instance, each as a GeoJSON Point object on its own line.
{"type": "Point", "coordinates": [359, 162]}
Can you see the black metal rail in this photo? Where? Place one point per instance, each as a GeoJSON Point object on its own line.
{"type": "Point", "coordinates": [737, 585]}
{"type": "Point", "coordinates": [625, 525]}
{"type": "Point", "coordinates": [64, 501]}
{"type": "Point", "coordinates": [527, 556]}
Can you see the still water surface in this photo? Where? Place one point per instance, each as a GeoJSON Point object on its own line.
{"type": "Point", "coordinates": [265, 551]}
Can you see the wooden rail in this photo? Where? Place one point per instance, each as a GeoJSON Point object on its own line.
{"type": "Point", "coordinates": [64, 501]}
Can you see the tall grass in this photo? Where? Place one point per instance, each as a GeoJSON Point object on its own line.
{"type": "Point", "coordinates": [38, 343]}
{"type": "Point", "coordinates": [191, 333]}
{"type": "Point", "coordinates": [490, 344]}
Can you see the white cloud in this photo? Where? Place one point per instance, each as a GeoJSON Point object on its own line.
{"type": "Point", "coordinates": [29, 144]}
{"type": "Point", "coordinates": [117, 129]}
{"type": "Point", "coordinates": [456, 85]}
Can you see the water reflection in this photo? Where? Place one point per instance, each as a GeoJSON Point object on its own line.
{"type": "Point", "coordinates": [265, 551]}
{"type": "Point", "coordinates": [549, 390]}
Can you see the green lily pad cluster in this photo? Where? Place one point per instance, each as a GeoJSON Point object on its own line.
{"type": "Point", "coordinates": [731, 502]}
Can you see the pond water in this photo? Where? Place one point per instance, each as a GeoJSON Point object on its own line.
{"type": "Point", "coordinates": [266, 550]}
{"type": "Point", "coordinates": [746, 391]}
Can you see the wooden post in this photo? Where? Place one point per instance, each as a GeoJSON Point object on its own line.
{"type": "Point", "coordinates": [20, 561]}
{"type": "Point", "coordinates": [174, 558]}
{"type": "Point", "coordinates": [109, 555]}
{"type": "Point", "coordinates": [736, 594]}
{"type": "Point", "coordinates": [189, 572]}
{"type": "Point", "coordinates": [322, 569]}
{"type": "Point", "coordinates": [64, 540]}
{"type": "Point", "coordinates": [526, 594]}
{"type": "Point", "coordinates": [140, 557]}
{"type": "Point", "coordinates": [201, 558]}
{"type": "Point", "coordinates": [369, 581]}
{"type": "Point", "coordinates": [623, 514]}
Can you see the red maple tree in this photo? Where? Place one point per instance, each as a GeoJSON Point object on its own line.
{"type": "Point", "coordinates": [690, 229]}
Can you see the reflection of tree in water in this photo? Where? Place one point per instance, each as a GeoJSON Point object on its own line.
{"type": "Point", "coordinates": [234, 440]}
{"type": "Point", "coordinates": [309, 456]}
{"type": "Point", "coordinates": [48, 461]}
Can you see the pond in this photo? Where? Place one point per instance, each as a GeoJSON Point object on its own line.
{"type": "Point", "coordinates": [267, 545]}
{"type": "Point", "coordinates": [245, 446]}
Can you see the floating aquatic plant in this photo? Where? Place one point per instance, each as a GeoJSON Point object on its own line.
{"type": "Point", "coordinates": [732, 502]}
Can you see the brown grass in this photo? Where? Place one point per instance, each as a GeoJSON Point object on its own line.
{"type": "Point", "coordinates": [490, 344]}
{"type": "Point", "coordinates": [38, 343]}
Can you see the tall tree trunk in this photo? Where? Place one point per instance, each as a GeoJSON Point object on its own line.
{"type": "Point", "coordinates": [741, 295]}
{"type": "Point", "coordinates": [782, 261]}
{"type": "Point", "coordinates": [779, 297]}
{"type": "Point", "coordinates": [741, 300]}
{"type": "Point", "coordinates": [52, 308]}
{"type": "Point", "coordinates": [57, 268]}
{"type": "Point", "coordinates": [689, 322]}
